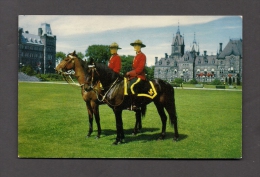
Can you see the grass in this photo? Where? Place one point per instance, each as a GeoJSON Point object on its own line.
{"type": "Point", "coordinates": [53, 123]}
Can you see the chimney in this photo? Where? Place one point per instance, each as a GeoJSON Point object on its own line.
{"type": "Point", "coordinates": [166, 55]}
{"type": "Point", "coordinates": [205, 53]}
{"type": "Point", "coordinates": [156, 60]}
{"type": "Point", "coordinates": [220, 47]}
{"type": "Point", "coordinates": [39, 31]}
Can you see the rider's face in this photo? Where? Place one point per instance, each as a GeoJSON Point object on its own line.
{"type": "Point", "coordinates": [137, 48]}
{"type": "Point", "coordinates": [113, 50]}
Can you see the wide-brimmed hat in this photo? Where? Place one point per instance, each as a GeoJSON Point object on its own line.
{"type": "Point", "coordinates": [114, 45]}
{"type": "Point", "coordinates": [138, 42]}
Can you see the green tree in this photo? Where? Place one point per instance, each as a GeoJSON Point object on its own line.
{"type": "Point", "coordinates": [149, 72]}
{"type": "Point", "coordinates": [80, 55]}
{"type": "Point", "coordinates": [60, 56]}
{"type": "Point", "coordinates": [126, 62]}
{"type": "Point", "coordinates": [100, 53]}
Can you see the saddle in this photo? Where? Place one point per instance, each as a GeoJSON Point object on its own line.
{"type": "Point", "coordinates": [147, 91]}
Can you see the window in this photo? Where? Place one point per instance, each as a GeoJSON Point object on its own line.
{"type": "Point", "coordinates": [168, 62]}
{"type": "Point", "coordinates": [199, 61]}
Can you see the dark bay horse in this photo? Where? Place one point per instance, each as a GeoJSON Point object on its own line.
{"type": "Point", "coordinates": [90, 94]}
{"type": "Point", "coordinates": [114, 90]}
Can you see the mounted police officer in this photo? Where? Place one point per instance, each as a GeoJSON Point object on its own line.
{"type": "Point", "coordinates": [115, 60]}
{"type": "Point", "coordinates": [137, 74]}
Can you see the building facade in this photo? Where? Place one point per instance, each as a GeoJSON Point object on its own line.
{"type": "Point", "coordinates": [188, 65]}
{"type": "Point", "coordinates": [37, 51]}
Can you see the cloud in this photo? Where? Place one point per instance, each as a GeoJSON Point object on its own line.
{"type": "Point", "coordinates": [79, 32]}
{"type": "Point", "coordinates": [63, 25]}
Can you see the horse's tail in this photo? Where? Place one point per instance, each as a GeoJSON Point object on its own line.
{"type": "Point", "coordinates": [170, 103]}
{"type": "Point", "coordinates": [143, 110]}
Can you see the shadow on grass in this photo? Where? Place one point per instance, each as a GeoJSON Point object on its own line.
{"type": "Point", "coordinates": [146, 134]}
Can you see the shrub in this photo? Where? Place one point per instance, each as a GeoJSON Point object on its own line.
{"type": "Point", "coordinates": [178, 80]}
{"type": "Point", "coordinates": [28, 70]}
{"type": "Point", "coordinates": [216, 82]}
{"type": "Point", "coordinates": [193, 81]}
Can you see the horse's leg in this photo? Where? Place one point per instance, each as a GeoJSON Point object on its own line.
{"type": "Point", "coordinates": [119, 127]}
{"type": "Point", "coordinates": [97, 117]}
{"type": "Point", "coordinates": [171, 109]}
{"type": "Point", "coordinates": [138, 122]}
{"type": "Point", "coordinates": [163, 116]}
{"type": "Point", "coordinates": [90, 119]}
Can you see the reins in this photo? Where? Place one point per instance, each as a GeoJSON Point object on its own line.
{"type": "Point", "coordinates": [103, 96]}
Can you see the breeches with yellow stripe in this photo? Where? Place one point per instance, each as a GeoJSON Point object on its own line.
{"type": "Point", "coordinates": [135, 86]}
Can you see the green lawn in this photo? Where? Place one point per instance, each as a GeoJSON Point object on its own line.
{"type": "Point", "coordinates": [53, 123]}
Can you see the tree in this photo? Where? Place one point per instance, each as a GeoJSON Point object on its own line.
{"type": "Point", "coordinates": [60, 56]}
{"type": "Point", "coordinates": [100, 53]}
{"type": "Point", "coordinates": [126, 62]}
{"type": "Point", "coordinates": [80, 55]}
{"type": "Point", "coordinates": [149, 72]}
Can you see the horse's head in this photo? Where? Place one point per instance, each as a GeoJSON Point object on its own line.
{"type": "Point", "coordinates": [92, 75]}
{"type": "Point", "coordinates": [67, 64]}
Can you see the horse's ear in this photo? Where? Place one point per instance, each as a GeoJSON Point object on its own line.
{"type": "Point", "coordinates": [91, 61]}
{"type": "Point", "coordinates": [74, 53]}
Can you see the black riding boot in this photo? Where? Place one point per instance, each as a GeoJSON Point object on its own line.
{"type": "Point", "coordinates": [134, 105]}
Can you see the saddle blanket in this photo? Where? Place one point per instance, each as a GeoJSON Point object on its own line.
{"type": "Point", "coordinates": [148, 91]}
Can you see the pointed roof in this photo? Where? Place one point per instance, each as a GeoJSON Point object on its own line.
{"type": "Point", "coordinates": [234, 47]}
{"type": "Point", "coordinates": [178, 38]}
{"type": "Point", "coordinates": [46, 29]}
{"type": "Point", "coordinates": [195, 46]}
{"type": "Point", "coordinates": [178, 31]}
{"type": "Point", "coordinates": [30, 39]}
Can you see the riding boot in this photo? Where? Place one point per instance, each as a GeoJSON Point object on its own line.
{"type": "Point", "coordinates": [134, 103]}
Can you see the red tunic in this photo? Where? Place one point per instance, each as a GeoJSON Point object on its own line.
{"type": "Point", "coordinates": [138, 66]}
{"type": "Point", "coordinates": [115, 63]}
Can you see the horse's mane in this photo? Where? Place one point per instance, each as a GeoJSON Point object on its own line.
{"type": "Point", "coordinates": [104, 70]}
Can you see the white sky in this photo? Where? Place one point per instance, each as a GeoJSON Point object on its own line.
{"type": "Point", "coordinates": [156, 32]}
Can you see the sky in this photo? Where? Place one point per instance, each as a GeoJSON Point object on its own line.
{"type": "Point", "coordinates": [156, 32]}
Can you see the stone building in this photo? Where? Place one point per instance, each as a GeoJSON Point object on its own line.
{"type": "Point", "coordinates": [39, 50]}
{"type": "Point", "coordinates": [188, 65]}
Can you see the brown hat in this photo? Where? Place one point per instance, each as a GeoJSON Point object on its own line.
{"type": "Point", "coordinates": [138, 42]}
{"type": "Point", "coordinates": [114, 45]}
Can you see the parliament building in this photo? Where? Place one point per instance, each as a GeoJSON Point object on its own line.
{"type": "Point", "coordinates": [37, 51]}
{"type": "Point", "coordinates": [193, 64]}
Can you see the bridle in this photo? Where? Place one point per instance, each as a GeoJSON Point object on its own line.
{"type": "Point", "coordinates": [93, 71]}
{"type": "Point", "coordinates": [67, 74]}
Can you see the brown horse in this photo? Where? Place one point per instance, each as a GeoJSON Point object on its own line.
{"type": "Point", "coordinates": [89, 93]}
{"type": "Point", "coordinates": [116, 95]}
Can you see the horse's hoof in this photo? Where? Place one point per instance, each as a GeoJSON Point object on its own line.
{"type": "Point", "coordinates": [97, 137]}
{"type": "Point", "coordinates": [87, 136]}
